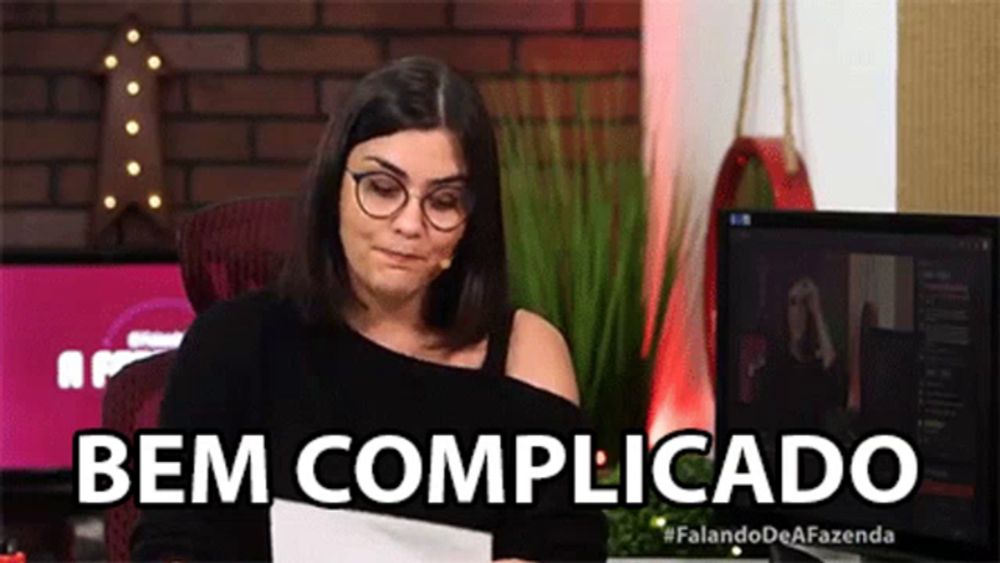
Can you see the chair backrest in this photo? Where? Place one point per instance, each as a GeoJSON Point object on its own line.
{"type": "Point", "coordinates": [224, 250]}
{"type": "Point", "coordinates": [888, 384]}
{"type": "Point", "coordinates": [131, 402]}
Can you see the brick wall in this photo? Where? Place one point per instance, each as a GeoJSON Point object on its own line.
{"type": "Point", "coordinates": [254, 83]}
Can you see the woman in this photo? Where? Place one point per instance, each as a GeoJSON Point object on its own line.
{"type": "Point", "coordinates": [804, 377]}
{"type": "Point", "coordinates": [392, 316]}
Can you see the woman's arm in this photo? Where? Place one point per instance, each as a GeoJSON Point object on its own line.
{"type": "Point", "coordinates": [553, 528]}
{"type": "Point", "coordinates": [540, 356]}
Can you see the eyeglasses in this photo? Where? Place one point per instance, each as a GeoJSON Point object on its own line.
{"type": "Point", "coordinates": [381, 196]}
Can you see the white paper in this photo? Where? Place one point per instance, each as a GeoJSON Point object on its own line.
{"type": "Point", "coordinates": [301, 533]}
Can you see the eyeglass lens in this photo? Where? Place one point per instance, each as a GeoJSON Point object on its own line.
{"type": "Point", "coordinates": [381, 196]}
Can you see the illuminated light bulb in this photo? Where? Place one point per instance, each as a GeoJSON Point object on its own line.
{"type": "Point", "coordinates": [133, 168]}
{"type": "Point", "coordinates": [132, 88]}
{"type": "Point", "coordinates": [132, 127]}
{"type": "Point", "coordinates": [601, 458]}
{"type": "Point", "coordinates": [155, 202]}
{"type": "Point", "coordinates": [736, 551]}
{"type": "Point", "coordinates": [110, 61]}
{"type": "Point", "coordinates": [110, 202]}
{"type": "Point", "coordinates": [154, 62]}
{"type": "Point", "coordinates": [659, 522]}
{"type": "Point", "coordinates": [133, 36]}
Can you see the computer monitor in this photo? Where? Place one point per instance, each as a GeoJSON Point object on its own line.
{"type": "Point", "coordinates": [851, 323]}
{"type": "Point", "coordinates": [68, 323]}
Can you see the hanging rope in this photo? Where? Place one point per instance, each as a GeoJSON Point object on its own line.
{"type": "Point", "coordinates": [747, 63]}
{"type": "Point", "coordinates": [790, 158]}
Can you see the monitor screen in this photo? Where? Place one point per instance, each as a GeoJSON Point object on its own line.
{"type": "Point", "coordinates": [849, 324]}
{"type": "Point", "coordinates": [67, 327]}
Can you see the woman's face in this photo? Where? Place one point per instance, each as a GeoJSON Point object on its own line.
{"type": "Point", "coordinates": [798, 313]}
{"type": "Point", "coordinates": [394, 249]}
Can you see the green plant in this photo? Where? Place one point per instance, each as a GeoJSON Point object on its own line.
{"type": "Point", "coordinates": [575, 220]}
{"type": "Point", "coordinates": [754, 190]}
{"type": "Point", "coordinates": [576, 229]}
{"type": "Point", "coordinates": [639, 531]}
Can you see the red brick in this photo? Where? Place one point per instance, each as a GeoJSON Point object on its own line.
{"type": "Point", "coordinates": [578, 55]}
{"type": "Point", "coordinates": [31, 228]}
{"type": "Point", "coordinates": [611, 143]}
{"type": "Point", "coordinates": [172, 94]}
{"type": "Point", "coordinates": [288, 141]}
{"type": "Point", "coordinates": [621, 141]}
{"type": "Point", "coordinates": [317, 52]}
{"type": "Point", "coordinates": [612, 14]}
{"type": "Point", "coordinates": [38, 139]}
{"type": "Point", "coordinates": [288, 13]}
{"type": "Point", "coordinates": [526, 98]}
{"type": "Point", "coordinates": [24, 14]}
{"type": "Point", "coordinates": [204, 51]}
{"type": "Point", "coordinates": [77, 184]}
{"type": "Point", "coordinates": [384, 14]}
{"type": "Point", "coordinates": [333, 94]}
{"type": "Point", "coordinates": [157, 14]}
{"type": "Point", "coordinates": [24, 93]}
{"type": "Point", "coordinates": [220, 183]}
{"type": "Point", "coordinates": [25, 185]}
{"type": "Point", "coordinates": [174, 178]}
{"type": "Point", "coordinates": [262, 95]}
{"type": "Point", "coordinates": [53, 50]}
{"type": "Point", "coordinates": [482, 54]}
{"type": "Point", "coordinates": [79, 94]}
{"type": "Point", "coordinates": [614, 98]}
{"type": "Point", "coordinates": [515, 14]}
{"type": "Point", "coordinates": [604, 98]}
{"type": "Point", "coordinates": [206, 140]}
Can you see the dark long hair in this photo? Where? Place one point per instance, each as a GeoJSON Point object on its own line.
{"type": "Point", "coordinates": [465, 302]}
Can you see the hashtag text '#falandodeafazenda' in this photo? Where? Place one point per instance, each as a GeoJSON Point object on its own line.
{"type": "Point", "coordinates": [765, 535]}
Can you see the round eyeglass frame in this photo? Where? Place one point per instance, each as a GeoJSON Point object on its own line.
{"type": "Point", "coordinates": [468, 200]}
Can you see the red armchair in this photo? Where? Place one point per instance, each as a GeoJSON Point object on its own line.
{"type": "Point", "coordinates": [224, 250]}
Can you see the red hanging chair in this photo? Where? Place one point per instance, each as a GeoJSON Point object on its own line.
{"type": "Point", "coordinates": [786, 174]}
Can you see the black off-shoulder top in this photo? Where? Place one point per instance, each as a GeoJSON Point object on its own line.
{"type": "Point", "coordinates": [251, 364]}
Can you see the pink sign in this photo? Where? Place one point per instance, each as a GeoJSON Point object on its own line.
{"type": "Point", "coordinates": [64, 331]}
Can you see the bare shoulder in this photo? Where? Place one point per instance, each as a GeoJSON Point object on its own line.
{"type": "Point", "coordinates": [539, 356]}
